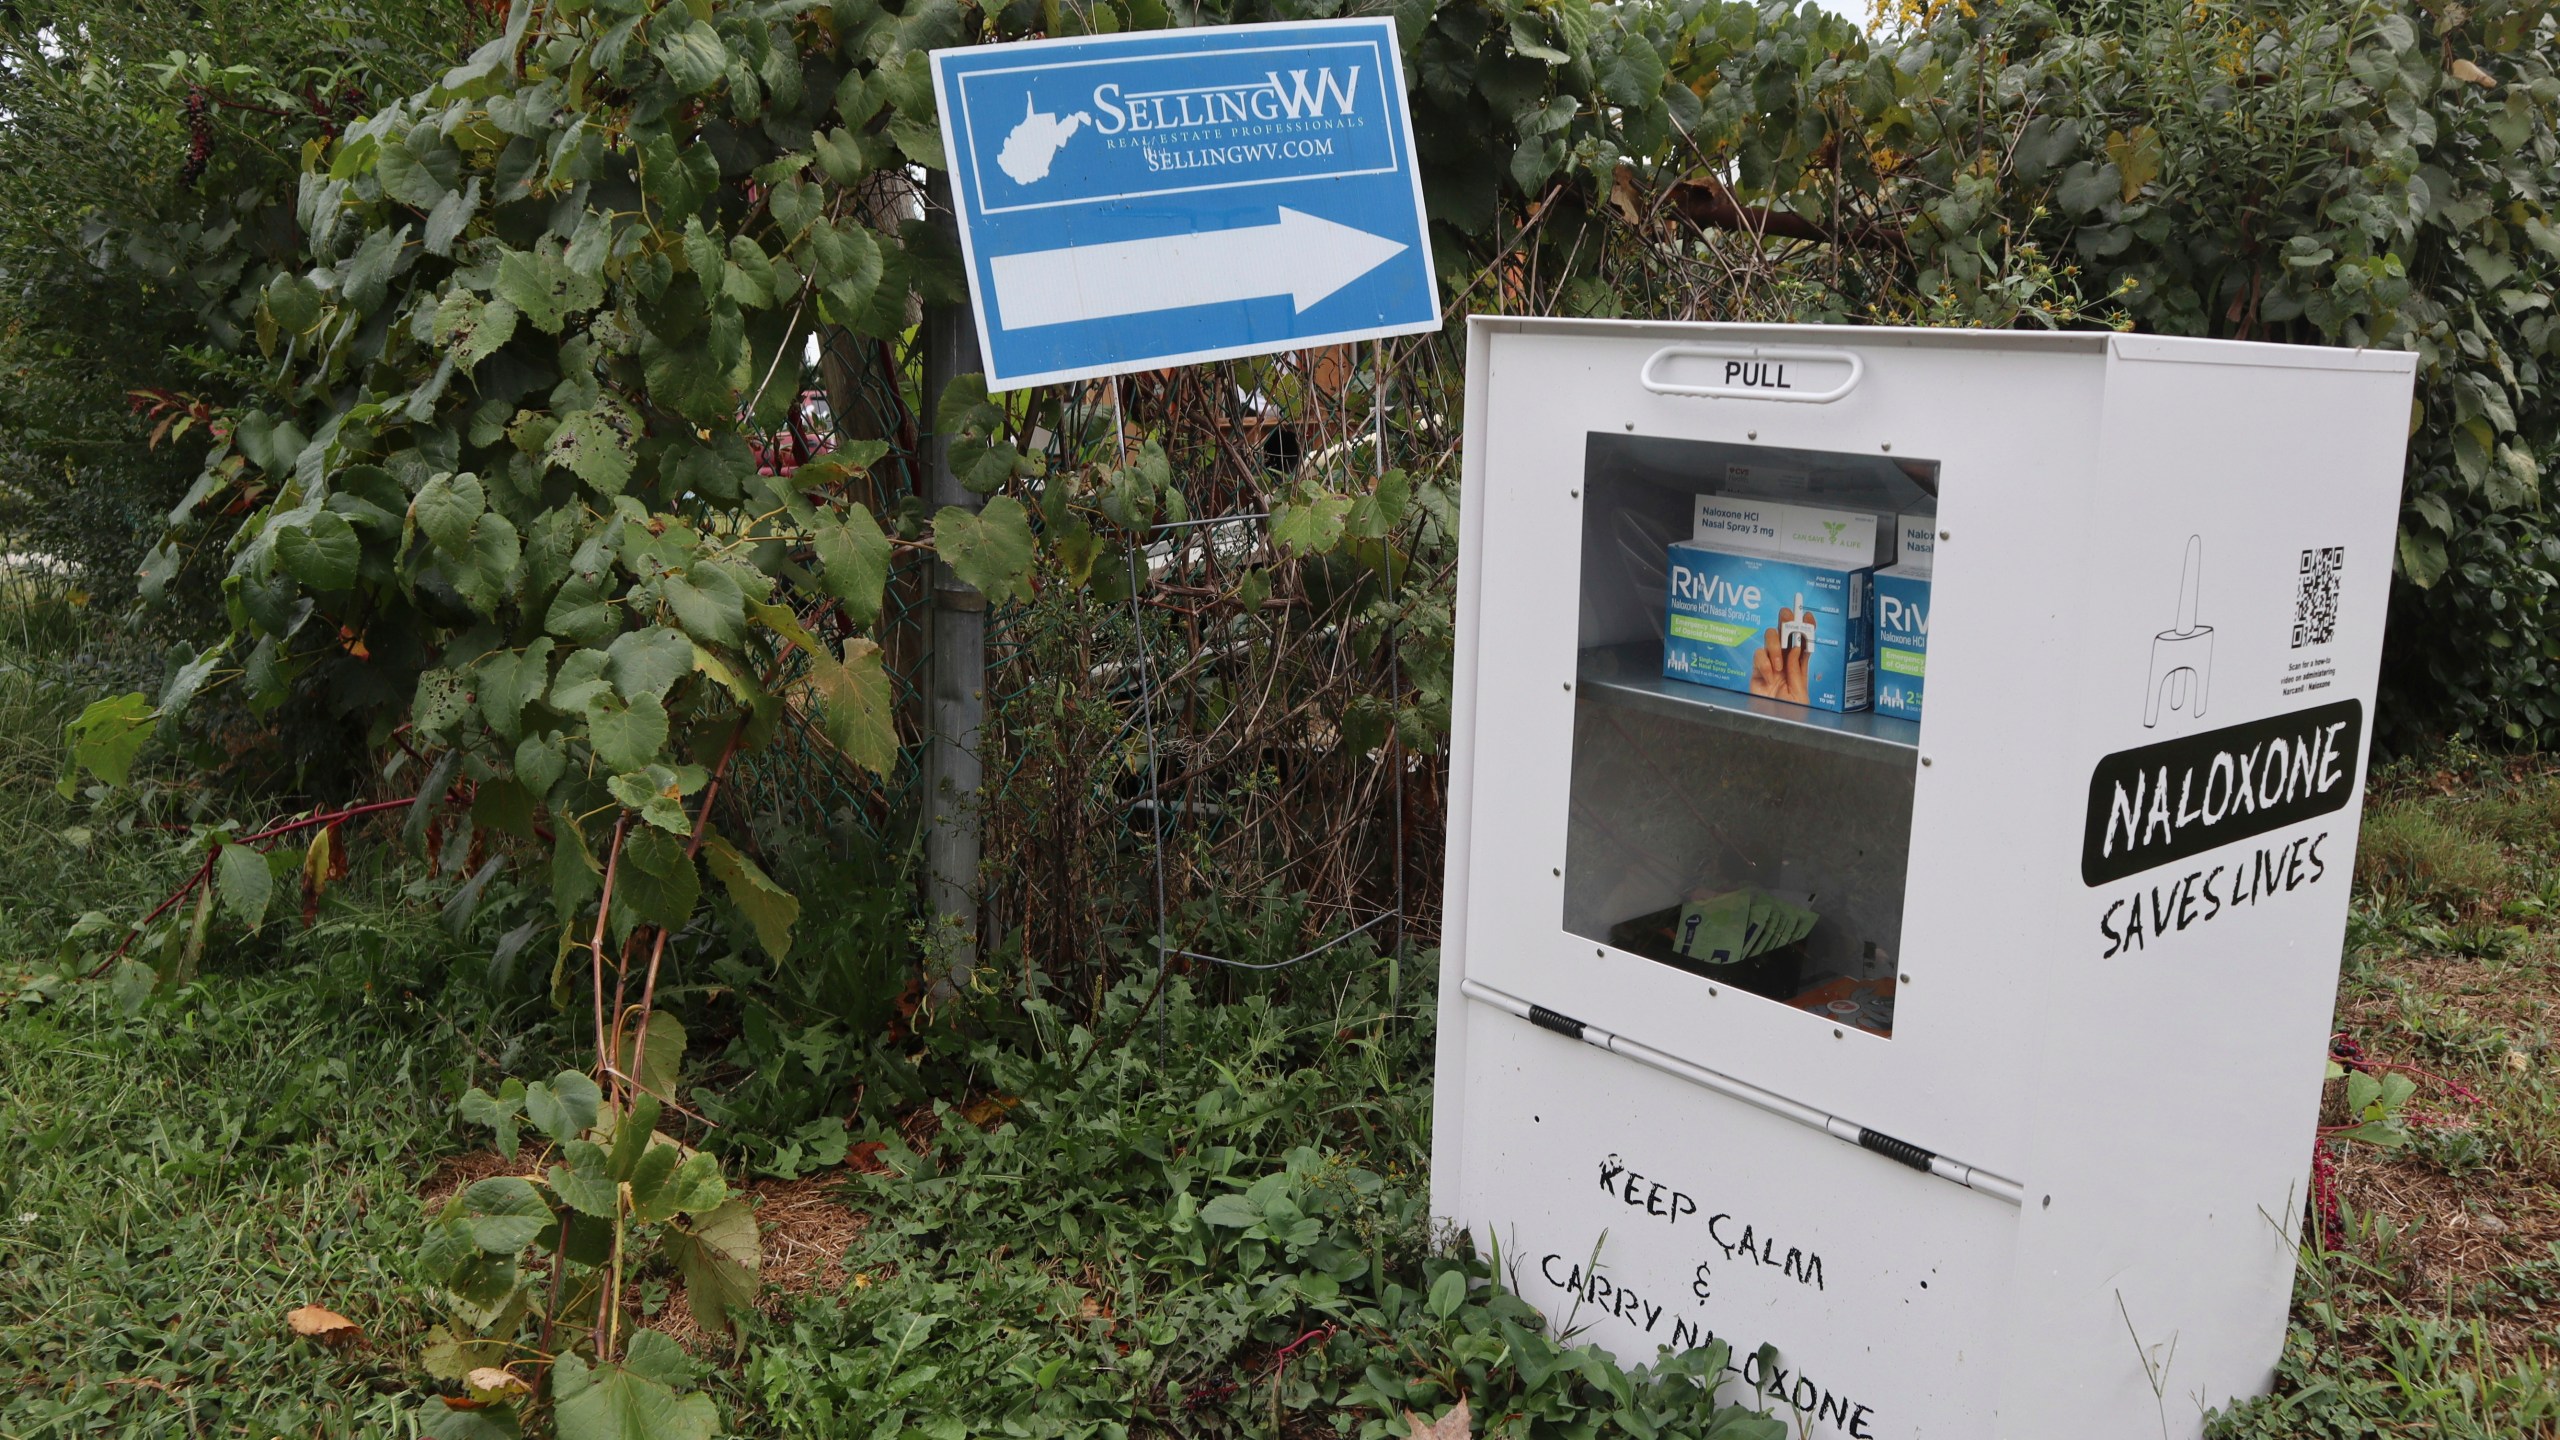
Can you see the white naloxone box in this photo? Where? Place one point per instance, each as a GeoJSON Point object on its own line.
{"type": "Point", "coordinates": [2015, 1140]}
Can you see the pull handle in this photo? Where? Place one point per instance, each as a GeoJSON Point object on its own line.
{"type": "Point", "coordinates": [1753, 372]}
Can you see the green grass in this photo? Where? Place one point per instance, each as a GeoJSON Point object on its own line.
{"type": "Point", "coordinates": [177, 1175]}
{"type": "Point", "coordinates": [172, 1183]}
{"type": "Point", "coordinates": [1190, 1219]}
{"type": "Point", "coordinates": [2437, 1313]}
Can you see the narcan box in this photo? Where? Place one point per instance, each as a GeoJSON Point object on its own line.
{"type": "Point", "coordinates": [1774, 600]}
{"type": "Point", "coordinates": [1902, 620]}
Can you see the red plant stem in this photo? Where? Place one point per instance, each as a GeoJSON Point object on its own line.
{"type": "Point", "coordinates": [204, 872]}
{"type": "Point", "coordinates": [648, 997]}
{"type": "Point", "coordinates": [658, 947]}
{"type": "Point", "coordinates": [343, 815]}
{"type": "Point", "coordinates": [604, 908]}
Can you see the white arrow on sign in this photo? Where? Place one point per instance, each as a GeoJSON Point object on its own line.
{"type": "Point", "coordinates": [1304, 257]}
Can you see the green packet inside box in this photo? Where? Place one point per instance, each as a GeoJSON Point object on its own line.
{"type": "Point", "coordinates": [1738, 925]}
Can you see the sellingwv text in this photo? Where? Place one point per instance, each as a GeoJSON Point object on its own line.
{"type": "Point", "coordinates": [1161, 161]}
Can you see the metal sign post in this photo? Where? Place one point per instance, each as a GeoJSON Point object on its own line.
{"type": "Point", "coordinates": [956, 702]}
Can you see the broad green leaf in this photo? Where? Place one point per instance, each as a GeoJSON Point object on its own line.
{"type": "Point", "coordinates": [627, 733]}
{"type": "Point", "coordinates": [189, 679]}
{"type": "Point", "coordinates": [105, 739]}
{"type": "Point", "coordinates": [445, 508]}
{"type": "Point", "coordinates": [508, 681]}
{"type": "Point", "coordinates": [582, 678]}
{"type": "Point", "coordinates": [322, 552]}
{"type": "Point", "coordinates": [694, 57]}
{"type": "Point", "coordinates": [782, 622]}
{"type": "Point", "coordinates": [383, 255]}
{"type": "Point", "coordinates": [649, 1181]}
{"type": "Point", "coordinates": [648, 662]}
{"type": "Point", "coordinates": [720, 1256]}
{"type": "Point", "coordinates": [505, 1213]}
{"type": "Point", "coordinates": [1312, 524]}
{"type": "Point", "coordinates": [538, 763]}
{"type": "Point", "coordinates": [708, 604]}
{"type": "Point", "coordinates": [2422, 558]}
{"type": "Point", "coordinates": [751, 279]}
{"type": "Point", "coordinates": [632, 1130]}
{"type": "Point", "coordinates": [485, 571]}
{"type": "Point", "coordinates": [688, 379]}
{"type": "Point", "coordinates": [450, 217]}
{"type": "Point", "coordinates": [1448, 1293]}
{"type": "Point", "coordinates": [566, 1107]}
{"type": "Point", "coordinates": [585, 612]}
{"type": "Point", "coordinates": [856, 706]}
{"type": "Point", "coordinates": [964, 405]}
{"type": "Point", "coordinates": [617, 1402]}
{"type": "Point", "coordinates": [472, 329]}
{"type": "Point", "coordinates": [447, 1246]}
{"type": "Point", "coordinates": [419, 172]}
{"type": "Point", "coordinates": [575, 875]}
{"type": "Point", "coordinates": [920, 141]}
{"type": "Point", "coordinates": [694, 1189]}
{"type": "Point", "coordinates": [653, 793]}
{"type": "Point", "coordinates": [770, 910]}
{"type": "Point", "coordinates": [983, 463]}
{"type": "Point", "coordinates": [583, 1182]}
{"type": "Point", "coordinates": [247, 885]}
{"type": "Point", "coordinates": [1232, 1212]}
{"type": "Point", "coordinates": [545, 290]}
{"type": "Point", "coordinates": [595, 446]}
{"type": "Point", "coordinates": [990, 549]}
{"type": "Point", "coordinates": [441, 702]}
{"type": "Point", "coordinates": [294, 302]}
{"type": "Point", "coordinates": [498, 1112]}
{"type": "Point", "coordinates": [846, 263]}
{"type": "Point", "coordinates": [2088, 185]}
{"type": "Point", "coordinates": [656, 1064]}
{"type": "Point", "coordinates": [1633, 73]}
{"type": "Point", "coordinates": [658, 880]}
{"type": "Point", "coordinates": [795, 204]}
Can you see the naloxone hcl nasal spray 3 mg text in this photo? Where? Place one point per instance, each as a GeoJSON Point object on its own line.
{"type": "Point", "coordinates": [1902, 620]}
{"type": "Point", "coordinates": [1773, 599]}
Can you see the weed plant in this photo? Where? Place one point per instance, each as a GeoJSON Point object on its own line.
{"type": "Point", "coordinates": [1192, 1219]}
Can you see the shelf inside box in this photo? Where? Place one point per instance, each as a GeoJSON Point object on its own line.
{"type": "Point", "coordinates": [1631, 675]}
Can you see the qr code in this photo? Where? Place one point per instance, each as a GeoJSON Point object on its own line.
{"type": "Point", "coordinates": [2315, 597]}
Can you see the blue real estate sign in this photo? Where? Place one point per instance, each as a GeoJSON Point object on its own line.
{"type": "Point", "coordinates": [1135, 201]}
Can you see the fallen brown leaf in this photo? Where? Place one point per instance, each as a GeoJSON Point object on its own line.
{"type": "Point", "coordinates": [865, 1157]}
{"type": "Point", "coordinates": [990, 1112]}
{"type": "Point", "coordinates": [326, 1326]}
{"type": "Point", "coordinates": [1456, 1425]}
{"type": "Point", "coordinates": [489, 1383]}
{"type": "Point", "coordinates": [2465, 70]}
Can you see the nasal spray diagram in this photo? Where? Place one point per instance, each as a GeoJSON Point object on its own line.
{"type": "Point", "coordinates": [2182, 659]}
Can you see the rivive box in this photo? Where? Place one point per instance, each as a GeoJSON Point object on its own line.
{"type": "Point", "coordinates": [1773, 599]}
{"type": "Point", "coordinates": [1902, 620]}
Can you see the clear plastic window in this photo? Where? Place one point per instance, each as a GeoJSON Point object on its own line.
{"type": "Point", "coordinates": [1727, 828]}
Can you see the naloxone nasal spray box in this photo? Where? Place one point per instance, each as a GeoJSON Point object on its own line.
{"type": "Point", "coordinates": [1774, 599]}
{"type": "Point", "coordinates": [1902, 620]}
